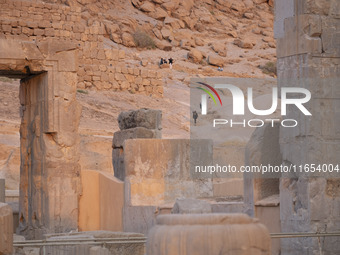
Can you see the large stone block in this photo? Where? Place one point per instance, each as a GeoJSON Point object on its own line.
{"type": "Point", "coordinates": [330, 36]}
{"type": "Point", "coordinates": [227, 187]}
{"type": "Point", "coordinates": [101, 203]}
{"type": "Point", "coordinates": [227, 207]}
{"type": "Point", "coordinates": [307, 28]}
{"type": "Point", "coordinates": [263, 147]}
{"type": "Point", "coordinates": [119, 138]}
{"type": "Point", "coordinates": [132, 133]}
{"type": "Point", "coordinates": [139, 219]}
{"type": "Point", "coordinates": [335, 9]}
{"type": "Point", "coordinates": [96, 153]}
{"type": "Point", "coordinates": [216, 60]}
{"type": "Point", "coordinates": [211, 234]}
{"type": "Point", "coordinates": [6, 229]}
{"type": "Point", "coordinates": [268, 213]}
{"type": "Point", "coordinates": [147, 118]}
{"type": "Point", "coordinates": [320, 7]}
{"type": "Point", "coordinates": [190, 205]}
{"type": "Point", "coordinates": [157, 171]}
{"type": "Point", "coordinates": [14, 49]}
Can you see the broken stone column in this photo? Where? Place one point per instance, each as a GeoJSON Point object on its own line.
{"type": "Point", "coordinates": [6, 229]}
{"type": "Point", "coordinates": [211, 234]}
{"type": "Point", "coordinates": [142, 123]}
{"type": "Point", "coordinates": [309, 57]}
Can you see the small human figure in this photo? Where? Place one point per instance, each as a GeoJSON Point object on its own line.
{"type": "Point", "coordinates": [165, 62]}
{"type": "Point", "coordinates": [195, 116]}
{"type": "Point", "coordinates": [161, 62]}
{"type": "Point", "coordinates": [171, 62]}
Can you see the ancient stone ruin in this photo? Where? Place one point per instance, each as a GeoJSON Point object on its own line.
{"type": "Point", "coordinates": [49, 183]}
{"type": "Point", "coordinates": [150, 191]}
{"type": "Point", "coordinates": [309, 56]}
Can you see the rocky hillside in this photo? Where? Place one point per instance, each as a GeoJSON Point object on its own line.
{"type": "Point", "coordinates": [200, 35]}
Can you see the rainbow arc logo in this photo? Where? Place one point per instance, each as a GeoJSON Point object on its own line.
{"type": "Point", "coordinates": [209, 93]}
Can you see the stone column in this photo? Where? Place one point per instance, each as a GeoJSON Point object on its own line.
{"type": "Point", "coordinates": [309, 56]}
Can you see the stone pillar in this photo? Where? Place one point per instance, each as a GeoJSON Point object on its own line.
{"type": "Point", "coordinates": [6, 229]}
{"type": "Point", "coordinates": [142, 123]}
{"type": "Point", "coordinates": [49, 170]}
{"type": "Point", "coordinates": [211, 234]}
{"type": "Point", "coordinates": [309, 56]}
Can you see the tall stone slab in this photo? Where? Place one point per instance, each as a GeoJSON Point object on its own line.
{"type": "Point", "coordinates": [49, 171]}
{"type": "Point", "coordinates": [6, 229]}
{"type": "Point", "coordinates": [309, 56]}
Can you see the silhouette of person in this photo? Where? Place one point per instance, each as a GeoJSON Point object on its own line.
{"type": "Point", "coordinates": [195, 116]}
{"type": "Point", "coordinates": [171, 62]}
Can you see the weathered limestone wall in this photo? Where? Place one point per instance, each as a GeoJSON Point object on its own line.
{"type": "Point", "coordinates": [101, 203]}
{"type": "Point", "coordinates": [309, 56]}
{"type": "Point", "coordinates": [100, 67]}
